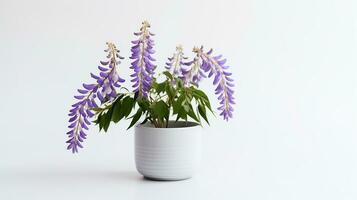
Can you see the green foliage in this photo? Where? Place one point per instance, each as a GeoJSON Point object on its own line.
{"type": "Point", "coordinates": [167, 98]}
{"type": "Point", "coordinates": [135, 117]}
{"type": "Point", "coordinates": [114, 111]}
{"type": "Point", "coordinates": [160, 110]}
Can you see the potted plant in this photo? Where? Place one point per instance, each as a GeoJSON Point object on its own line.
{"type": "Point", "coordinates": [167, 140]}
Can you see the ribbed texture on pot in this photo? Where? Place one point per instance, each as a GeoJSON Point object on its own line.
{"type": "Point", "coordinates": [167, 153]}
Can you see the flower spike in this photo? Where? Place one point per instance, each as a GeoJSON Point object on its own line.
{"type": "Point", "coordinates": [216, 68]}
{"type": "Point", "coordinates": [103, 90]}
{"type": "Point", "coordinates": [190, 72]}
{"type": "Point", "coordinates": [175, 62]}
{"type": "Point", "coordinates": [142, 51]}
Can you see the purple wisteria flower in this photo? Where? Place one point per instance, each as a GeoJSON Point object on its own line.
{"type": "Point", "coordinates": [191, 72]}
{"type": "Point", "coordinates": [142, 65]}
{"type": "Point", "coordinates": [103, 90]}
{"type": "Point", "coordinates": [188, 71]}
{"type": "Point", "coordinates": [215, 67]}
{"type": "Point", "coordinates": [175, 63]}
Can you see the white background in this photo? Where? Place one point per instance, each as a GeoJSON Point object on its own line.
{"type": "Point", "coordinates": [294, 134]}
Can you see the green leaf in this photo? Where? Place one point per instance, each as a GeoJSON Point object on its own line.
{"type": "Point", "coordinates": [181, 114]}
{"type": "Point", "coordinates": [177, 105]}
{"type": "Point", "coordinates": [161, 110]}
{"type": "Point", "coordinates": [203, 98]}
{"type": "Point", "coordinates": [106, 119]}
{"type": "Point", "coordinates": [127, 104]}
{"type": "Point", "coordinates": [117, 111]}
{"type": "Point", "coordinates": [208, 105]}
{"type": "Point", "coordinates": [144, 104]}
{"type": "Point", "coordinates": [186, 107]}
{"type": "Point", "coordinates": [202, 111]}
{"type": "Point", "coordinates": [200, 94]}
{"type": "Point", "coordinates": [98, 120]}
{"type": "Point", "coordinates": [168, 75]}
{"type": "Point", "coordinates": [154, 84]}
{"type": "Point", "coordinates": [179, 83]}
{"type": "Point", "coordinates": [192, 114]}
{"type": "Point", "coordinates": [170, 91]}
{"type": "Point", "coordinates": [120, 96]}
{"type": "Point", "coordinates": [135, 117]}
{"type": "Point", "coordinates": [161, 87]}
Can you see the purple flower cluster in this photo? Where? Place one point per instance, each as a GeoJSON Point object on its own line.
{"type": "Point", "coordinates": [142, 65]}
{"type": "Point", "coordinates": [188, 72]}
{"type": "Point", "coordinates": [192, 73]}
{"type": "Point", "coordinates": [176, 62]}
{"type": "Point", "coordinates": [215, 67]}
{"type": "Point", "coordinates": [103, 90]}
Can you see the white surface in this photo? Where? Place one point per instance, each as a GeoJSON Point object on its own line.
{"type": "Point", "coordinates": [168, 153]}
{"type": "Point", "coordinates": [294, 133]}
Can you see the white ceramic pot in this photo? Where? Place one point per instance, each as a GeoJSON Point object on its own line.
{"type": "Point", "coordinates": [172, 153]}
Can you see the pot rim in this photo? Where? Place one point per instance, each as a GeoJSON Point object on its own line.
{"type": "Point", "coordinates": [150, 126]}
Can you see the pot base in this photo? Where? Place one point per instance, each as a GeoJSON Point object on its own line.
{"type": "Point", "coordinates": [165, 179]}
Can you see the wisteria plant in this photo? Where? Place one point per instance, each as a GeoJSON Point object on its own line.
{"type": "Point", "coordinates": [106, 100]}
